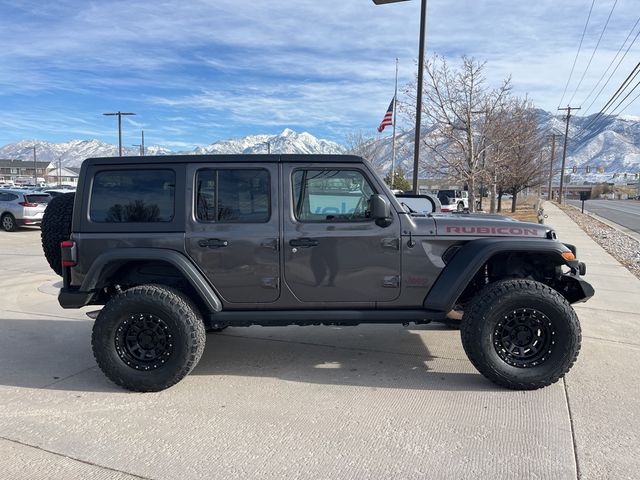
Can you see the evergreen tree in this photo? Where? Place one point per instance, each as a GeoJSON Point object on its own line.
{"type": "Point", "coordinates": [399, 182]}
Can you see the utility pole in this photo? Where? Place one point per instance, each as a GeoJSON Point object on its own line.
{"type": "Point", "coordinates": [35, 168]}
{"type": "Point", "coordinates": [393, 141]}
{"type": "Point", "coordinates": [553, 157]}
{"type": "Point", "coordinates": [268, 147]}
{"type": "Point", "coordinates": [140, 145]}
{"type": "Point", "coordinates": [564, 150]}
{"type": "Point", "coordinates": [119, 114]}
{"type": "Point", "coordinates": [416, 146]}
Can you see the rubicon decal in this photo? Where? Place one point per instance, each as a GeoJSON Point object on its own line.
{"type": "Point", "coordinates": [511, 231]}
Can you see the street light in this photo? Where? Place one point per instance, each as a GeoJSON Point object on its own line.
{"type": "Point", "coordinates": [119, 114]}
{"type": "Point", "coordinates": [416, 147]}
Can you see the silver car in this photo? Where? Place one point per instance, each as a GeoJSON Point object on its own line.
{"type": "Point", "coordinates": [21, 207]}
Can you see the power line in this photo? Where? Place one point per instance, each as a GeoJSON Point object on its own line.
{"type": "Point", "coordinates": [626, 96]}
{"type": "Point", "coordinates": [629, 104]}
{"type": "Point", "coordinates": [615, 96]}
{"type": "Point", "coordinates": [577, 53]}
{"type": "Point", "coordinates": [610, 64]}
{"type": "Point", "coordinates": [604, 29]}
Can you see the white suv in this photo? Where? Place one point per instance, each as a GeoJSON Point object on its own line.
{"type": "Point", "coordinates": [21, 207]}
{"type": "Point", "coordinates": [454, 200]}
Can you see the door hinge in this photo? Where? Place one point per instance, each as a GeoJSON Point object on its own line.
{"type": "Point", "coordinates": [270, 243]}
{"type": "Point", "coordinates": [391, 243]}
{"type": "Point", "coordinates": [270, 282]}
{"type": "Point", "coordinates": [391, 281]}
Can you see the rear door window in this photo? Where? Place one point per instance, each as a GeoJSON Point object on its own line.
{"type": "Point", "coordinates": [233, 195]}
{"type": "Point", "coordinates": [133, 196]}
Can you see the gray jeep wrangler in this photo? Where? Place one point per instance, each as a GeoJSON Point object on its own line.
{"type": "Point", "coordinates": [174, 246]}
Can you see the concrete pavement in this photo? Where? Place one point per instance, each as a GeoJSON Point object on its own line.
{"type": "Point", "coordinates": [603, 387]}
{"type": "Point", "coordinates": [314, 402]}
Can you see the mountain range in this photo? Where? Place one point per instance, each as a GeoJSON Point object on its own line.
{"type": "Point", "coordinates": [611, 143]}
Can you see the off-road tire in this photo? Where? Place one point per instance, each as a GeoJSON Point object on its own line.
{"type": "Point", "coordinates": [8, 223]}
{"type": "Point", "coordinates": [494, 307]}
{"type": "Point", "coordinates": [177, 318]}
{"type": "Point", "coordinates": [56, 227]}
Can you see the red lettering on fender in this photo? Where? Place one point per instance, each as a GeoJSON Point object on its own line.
{"type": "Point", "coordinates": [508, 231]}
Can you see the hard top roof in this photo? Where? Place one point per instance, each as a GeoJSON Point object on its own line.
{"type": "Point", "coordinates": [253, 158]}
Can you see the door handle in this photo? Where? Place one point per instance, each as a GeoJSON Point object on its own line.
{"type": "Point", "coordinates": [212, 243]}
{"type": "Point", "coordinates": [303, 242]}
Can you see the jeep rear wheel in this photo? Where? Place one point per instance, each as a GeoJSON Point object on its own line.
{"type": "Point", "coordinates": [521, 334]}
{"type": "Point", "coordinates": [148, 338]}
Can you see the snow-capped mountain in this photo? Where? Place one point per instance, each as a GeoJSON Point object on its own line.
{"type": "Point", "coordinates": [286, 142]}
{"type": "Point", "coordinates": [612, 143]}
{"type": "Point", "coordinates": [72, 153]}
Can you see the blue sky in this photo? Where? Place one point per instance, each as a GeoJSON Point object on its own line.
{"type": "Point", "coordinates": [200, 71]}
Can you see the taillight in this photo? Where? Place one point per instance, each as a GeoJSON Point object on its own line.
{"type": "Point", "coordinates": [69, 253]}
{"type": "Point", "coordinates": [28, 204]}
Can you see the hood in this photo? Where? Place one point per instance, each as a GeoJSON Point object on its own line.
{"type": "Point", "coordinates": [481, 225]}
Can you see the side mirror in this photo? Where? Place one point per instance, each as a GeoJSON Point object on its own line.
{"type": "Point", "coordinates": [380, 210]}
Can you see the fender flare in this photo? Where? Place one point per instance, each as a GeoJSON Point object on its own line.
{"type": "Point", "coordinates": [106, 262]}
{"type": "Point", "coordinates": [467, 261]}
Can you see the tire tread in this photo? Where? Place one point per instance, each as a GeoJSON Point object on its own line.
{"type": "Point", "coordinates": [473, 318]}
{"type": "Point", "coordinates": [171, 299]}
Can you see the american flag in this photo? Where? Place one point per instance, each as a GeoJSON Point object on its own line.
{"type": "Point", "coordinates": [388, 117]}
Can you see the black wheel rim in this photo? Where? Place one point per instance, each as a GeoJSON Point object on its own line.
{"type": "Point", "coordinates": [524, 338]}
{"type": "Point", "coordinates": [144, 341]}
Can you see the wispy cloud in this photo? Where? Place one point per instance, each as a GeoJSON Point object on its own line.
{"type": "Point", "coordinates": [198, 71]}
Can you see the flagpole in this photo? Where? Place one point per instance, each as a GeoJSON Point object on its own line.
{"type": "Point", "coordinates": [393, 142]}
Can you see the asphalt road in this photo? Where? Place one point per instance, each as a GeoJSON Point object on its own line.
{"type": "Point", "coordinates": [366, 402]}
{"type": "Point", "coordinates": [622, 212]}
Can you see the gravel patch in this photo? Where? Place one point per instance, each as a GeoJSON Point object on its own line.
{"type": "Point", "coordinates": [622, 247]}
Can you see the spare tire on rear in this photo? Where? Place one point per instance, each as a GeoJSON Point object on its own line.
{"type": "Point", "coordinates": [56, 227]}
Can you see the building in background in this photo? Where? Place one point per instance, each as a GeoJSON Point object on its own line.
{"type": "Point", "coordinates": [19, 172]}
{"type": "Point", "coordinates": [59, 175]}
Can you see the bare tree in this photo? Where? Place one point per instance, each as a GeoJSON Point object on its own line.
{"type": "Point", "coordinates": [357, 143]}
{"type": "Point", "coordinates": [458, 109]}
{"type": "Point", "coordinates": [526, 163]}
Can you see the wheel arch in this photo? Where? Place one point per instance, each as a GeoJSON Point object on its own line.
{"type": "Point", "coordinates": [124, 265]}
{"type": "Point", "coordinates": [470, 260]}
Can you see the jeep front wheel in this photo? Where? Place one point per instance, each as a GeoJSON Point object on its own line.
{"type": "Point", "coordinates": [148, 338]}
{"type": "Point", "coordinates": [521, 334]}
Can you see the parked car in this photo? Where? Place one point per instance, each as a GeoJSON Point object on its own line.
{"type": "Point", "coordinates": [21, 207]}
{"type": "Point", "coordinates": [454, 200]}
